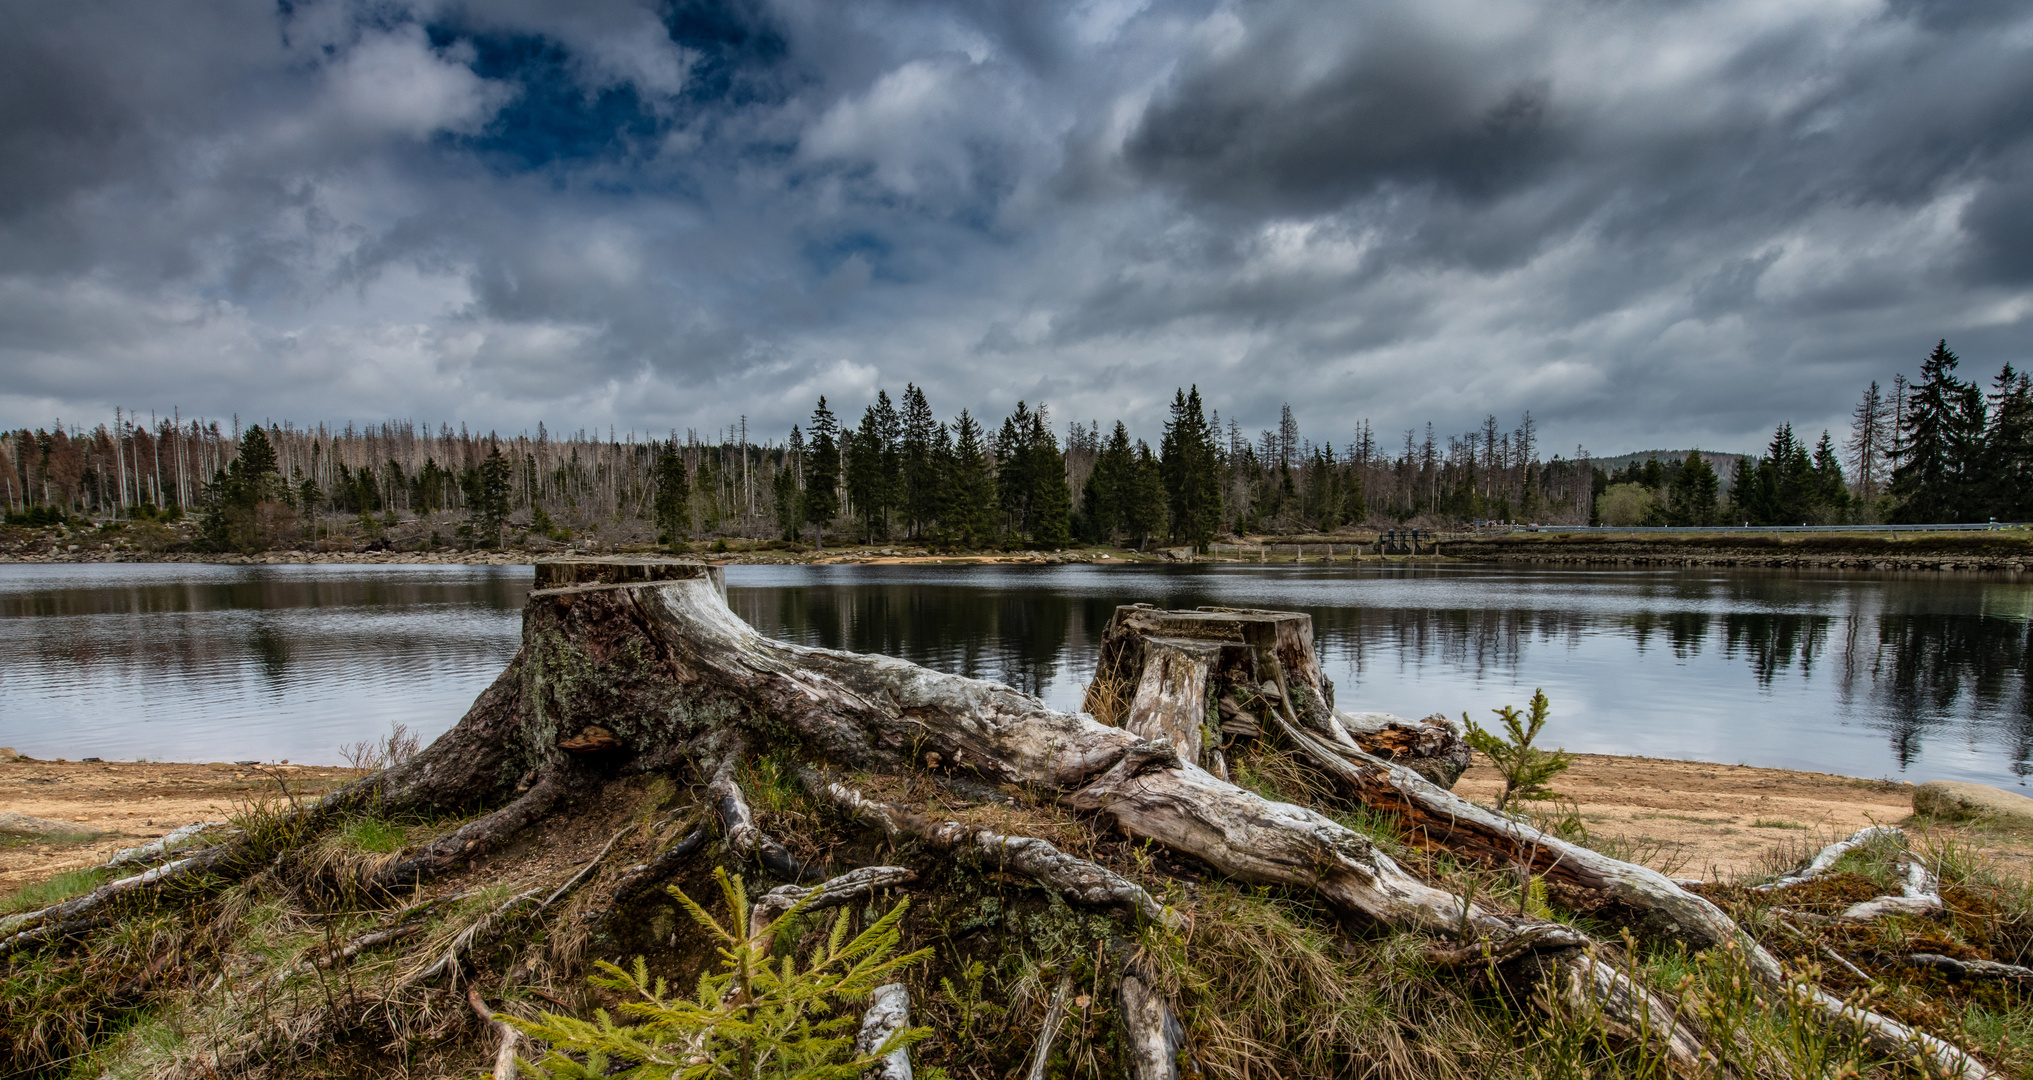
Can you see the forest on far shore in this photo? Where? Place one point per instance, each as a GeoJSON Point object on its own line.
{"type": "Point", "coordinates": [1935, 449]}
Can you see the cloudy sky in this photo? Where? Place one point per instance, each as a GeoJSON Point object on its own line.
{"type": "Point", "coordinates": [1649, 223]}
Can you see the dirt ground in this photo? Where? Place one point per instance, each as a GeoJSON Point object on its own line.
{"type": "Point", "coordinates": [1688, 818]}
{"type": "Point", "coordinates": [1694, 819]}
{"type": "Point", "coordinates": [129, 803]}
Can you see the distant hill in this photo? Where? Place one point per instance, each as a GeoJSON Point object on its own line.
{"type": "Point", "coordinates": [1723, 464]}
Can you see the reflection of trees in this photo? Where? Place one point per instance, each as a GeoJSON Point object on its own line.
{"type": "Point", "coordinates": [1015, 636]}
{"type": "Point", "coordinates": [1928, 667]}
{"type": "Point", "coordinates": [1772, 641]}
{"type": "Point", "coordinates": [292, 629]}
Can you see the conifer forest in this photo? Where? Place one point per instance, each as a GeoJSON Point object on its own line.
{"type": "Point", "coordinates": [1934, 449]}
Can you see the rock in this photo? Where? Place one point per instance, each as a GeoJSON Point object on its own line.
{"type": "Point", "coordinates": [13, 824]}
{"type": "Point", "coordinates": [1955, 800]}
{"type": "Point", "coordinates": [7, 753]}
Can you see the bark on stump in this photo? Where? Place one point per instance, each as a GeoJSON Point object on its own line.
{"type": "Point", "coordinates": [648, 653]}
{"type": "Point", "coordinates": [1208, 678]}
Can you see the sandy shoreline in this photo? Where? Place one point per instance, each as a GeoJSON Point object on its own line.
{"type": "Point", "coordinates": [1692, 818]}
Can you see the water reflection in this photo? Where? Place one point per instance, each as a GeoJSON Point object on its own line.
{"type": "Point", "coordinates": [1916, 675]}
{"type": "Point", "coordinates": [1871, 675]}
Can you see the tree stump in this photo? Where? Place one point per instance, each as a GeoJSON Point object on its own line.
{"type": "Point", "coordinates": [1208, 678]}
{"type": "Point", "coordinates": [638, 666]}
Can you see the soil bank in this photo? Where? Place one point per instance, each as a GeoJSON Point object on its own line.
{"type": "Point", "coordinates": [1689, 818]}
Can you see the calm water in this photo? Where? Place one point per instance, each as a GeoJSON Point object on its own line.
{"type": "Point", "coordinates": [1918, 676]}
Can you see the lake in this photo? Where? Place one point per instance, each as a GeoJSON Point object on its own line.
{"type": "Point", "coordinates": [1916, 676]}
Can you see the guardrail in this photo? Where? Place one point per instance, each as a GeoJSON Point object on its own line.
{"type": "Point", "coordinates": [1991, 526]}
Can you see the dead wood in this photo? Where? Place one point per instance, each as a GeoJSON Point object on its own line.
{"type": "Point", "coordinates": [1157, 1041]}
{"type": "Point", "coordinates": [506, 1037]}
{"type": "Point", "coordinates": [829, 894]}
{"type": "Point", "coordinates": [1078, 880]}
{"type": "Point", "coordinates": [1048, 1032]}
{"type": "Point", "coordinates": [1970, 969]}
{"type": "Point", "coordinates": [889, 1011]}
{"type": "Point", "coordinates": [642, 878]}
{"type": "Point", "coordinates": [633, 666]}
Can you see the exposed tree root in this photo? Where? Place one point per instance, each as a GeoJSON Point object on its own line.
{"type": "Point", "coordinates": [507, 1037]}
{"type": "Point", "coordinates": [889, 1011]}
{"type": "Point", "coordinates": [1048, 1032]}
{"type": "Point", "coordinates": [632, 667]}
{"type": "Point", "coordinates": [1076, 879]}
{"type": "Point", "coordinates": [832, 893]}
{"type": "Point", "coordinates": [1157, 1040]}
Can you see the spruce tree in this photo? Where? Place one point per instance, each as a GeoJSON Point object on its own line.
{"type": "Point", "coordinates": [1014, 477]}
{"type": "Point", "coordinates": [1051, 501]}
{"type": "Point", "coordinates": [969, 517]}
{"type": "Point", "coordinates": [919, 471]}
{"type": "Point", "coordinates": [2009, 446]}
{"type": "Point", "coordinates": [1144, 507]}
{"type": "Point", "coordinates": [1926, 481]}
{"type": "Point", "coordinates": [488, 509]}
{"type": "Point", "coordinates": [672, 505]}
{"type": "Point", "coordinates": [1690, 499]}
{"type": "Point", "coordinates": [236, 492]}
{"type": "Point", "coordinates": [1191, 472]}
{"type": "Point", "coordinates": [1103, 498]}
{"type": "Point", "coordinates": [822, 474]}
{"type": "Point", "coordinates": [1828, 494]}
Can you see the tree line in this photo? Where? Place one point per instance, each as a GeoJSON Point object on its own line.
{"type": "Point", "coordinates": [1934, 449]}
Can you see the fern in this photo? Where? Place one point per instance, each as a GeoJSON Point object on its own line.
{"type": "Point", "coordinates": [752, 1018]}
{"type": "Point", "coordinates": [1525, 767]}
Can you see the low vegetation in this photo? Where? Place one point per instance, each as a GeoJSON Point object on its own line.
{"type": "Point", "coordinates": [321, 939]}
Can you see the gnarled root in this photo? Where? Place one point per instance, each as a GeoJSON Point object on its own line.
{"type": "Point", "coordinates": [1076, 879]}
{"type": "Point", "coordinates": [889, 1011]}
{"type": "Point", "coordinates": [1156, 1038]}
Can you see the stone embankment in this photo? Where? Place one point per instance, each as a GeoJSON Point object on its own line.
{"type": "Point", "coordinates": [1988, 551]}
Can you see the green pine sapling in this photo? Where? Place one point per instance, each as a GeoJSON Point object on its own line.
{"type": "Point", "coordinates": [1525, 767]}
{"type": "Point", "coordinates": [757, 1017]}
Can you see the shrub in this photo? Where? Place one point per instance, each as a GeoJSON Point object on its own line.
{"type": "Point", "coordinates": [750, 1019]}
{"type": "Point", "coordinates": [1525, 767]}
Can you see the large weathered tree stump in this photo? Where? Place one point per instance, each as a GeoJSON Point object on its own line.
{"type": "Point", "coordinates": [633, 666]}
{"type": "Point", "coordinates": [1207, 678]}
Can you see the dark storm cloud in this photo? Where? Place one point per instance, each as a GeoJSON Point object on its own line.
{"type": "Point", "coordinates": [1646, 223]}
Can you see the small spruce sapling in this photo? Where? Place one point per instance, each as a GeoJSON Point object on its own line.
{"type": "Point", "coordinates": [756, 1017]}
{"type": "Point", "coordinates": [1525, 767]}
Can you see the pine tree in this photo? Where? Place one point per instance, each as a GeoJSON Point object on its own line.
{"type": "Point", "coordinates": [673, 500]}
{"type": "Point", "coordinates": [1050, 502]}
{"type": "Point", "coordinates": [1690, 499]}
{"type": "Point", "coordinates": [969, 516]}
{"type": "Point", "coordinates": [1144, 509]}
{"type": "Point", "coordinates": [822, 476]}
{"type": "Point", "coordinates": [919, 473]}
{"type": "Point", "coordinates": [1192, 479]}
{"type": "Point", "coordinates": [1927, 480]}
